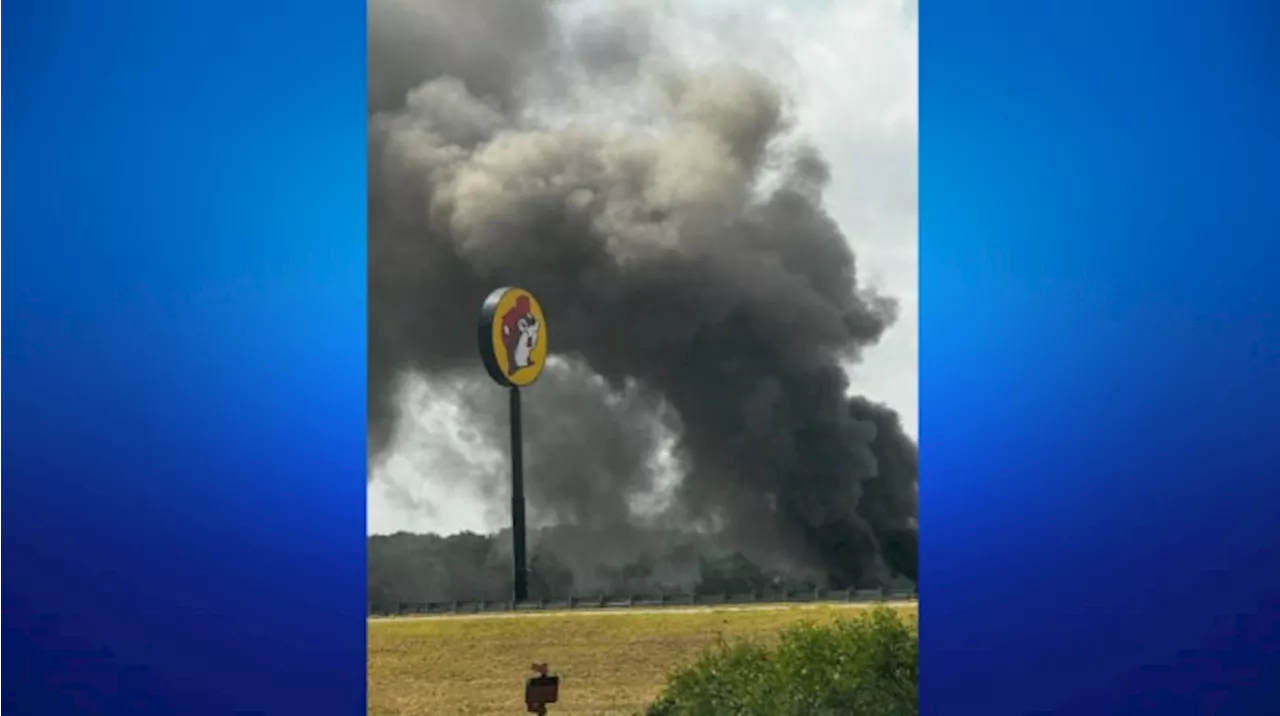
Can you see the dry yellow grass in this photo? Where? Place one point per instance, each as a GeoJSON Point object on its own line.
{"type": "Point", "coordinates": [609, 662]}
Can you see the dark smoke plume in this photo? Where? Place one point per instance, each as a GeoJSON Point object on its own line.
{"type": "Point", "coordinates": [693, 282]}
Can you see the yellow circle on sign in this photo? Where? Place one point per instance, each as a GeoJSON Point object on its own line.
{"type": "Point", "coordinates": [519, 335]}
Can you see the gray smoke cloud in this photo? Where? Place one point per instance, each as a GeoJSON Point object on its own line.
{"type": "Point", "coordinates": [700, 300]}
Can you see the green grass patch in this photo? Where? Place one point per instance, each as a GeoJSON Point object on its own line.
{"type": "Point", "coordinates": [610, 664]}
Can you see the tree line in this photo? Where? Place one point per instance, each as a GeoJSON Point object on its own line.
{"type": "Point", "coordinates": [406, 567]}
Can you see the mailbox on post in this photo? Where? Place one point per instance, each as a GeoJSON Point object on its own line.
{"type": "Point", "coordinates": [541, 690]}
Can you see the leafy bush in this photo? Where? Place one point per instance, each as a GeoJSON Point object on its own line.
{"type": "Point", "coordinates": [866, 666]}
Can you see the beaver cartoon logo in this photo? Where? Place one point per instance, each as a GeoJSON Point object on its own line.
{"type": "Point", "coordinates": [513, 337]}
{"type": "Point", "coordinates": [520, 330]}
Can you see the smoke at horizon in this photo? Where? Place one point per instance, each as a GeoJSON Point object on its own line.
{"type": "Point", "coordinates": [700, 300]}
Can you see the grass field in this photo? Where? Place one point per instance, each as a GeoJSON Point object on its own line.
{"type": "Point", "coordinates": [609, 662]}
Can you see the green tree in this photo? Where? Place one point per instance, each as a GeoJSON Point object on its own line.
{"type": "Point", "coordinates": [866, 666]}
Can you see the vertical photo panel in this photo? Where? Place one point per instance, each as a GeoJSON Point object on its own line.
{"type": "Point", "coordinates": [642, 355]}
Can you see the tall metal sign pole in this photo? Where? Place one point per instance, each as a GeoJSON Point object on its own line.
{"type": "Point", "coordinates": [513, 344]}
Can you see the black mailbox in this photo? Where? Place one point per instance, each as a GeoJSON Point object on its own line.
{"type": "Point", "coordinates": [541, 690]}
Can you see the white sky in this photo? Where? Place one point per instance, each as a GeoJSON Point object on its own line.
{"type": "Point", "coordinates": [851, 66]}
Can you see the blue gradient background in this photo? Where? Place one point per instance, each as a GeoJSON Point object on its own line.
{"type": "Point", "coordinates": [184, 512]}
{"type": "Point", "coordinates": [184, 341]}
{"type": "Point", "coordinates": [1100, 357]}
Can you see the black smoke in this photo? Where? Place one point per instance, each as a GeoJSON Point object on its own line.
{"type": "Point", "coordinates": [694, 284]}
